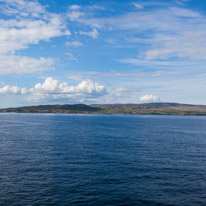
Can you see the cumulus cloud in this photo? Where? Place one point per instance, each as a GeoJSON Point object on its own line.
{"type": "Point", "coordinates": [53, 89]}
{"type": "Point", "coordinates": [94, 33]}
{"type": "Point", "coordinates": [149, 98]}
{"type": "Point", "coordinates": [12, 90]}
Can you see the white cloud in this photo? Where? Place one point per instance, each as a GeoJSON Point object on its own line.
{"type": "Point", "coordinates": [74, 44]}
{"type": "Point", "coordinates": [74, 7]}
{"type": "Point", "coordinates": [182, 2]}
{"type": "Point", "coordinates": [28, 23]}
{"type": "Point", "coordinates": [74, 15]}
{"type": "Point", "coordinates": [18, 34]}
{"type": "Point", "coordinates": [169, 32]}
{"type": "Point", "coordinates": [67, 33]}
{"type": "Point", "coordinates": [50, 85]}
{"type": "Point", "coordinates": [52, 89]}
{"type": "Point", "coordinates": [138, 6]}
{"type": "Point", "coordinates": [22, 64]}
{"type": "Point", "coordinates": [149, 98]}
{"type": "Point", "coordinates": [12, 90]}
{"type": "Point", "coordinates": [71, 57]}
{"type": "Point", "coordinates": [94, 33]}
{"type": "Point", "coordinates": [189, 44]}
{"type": "Point", "coordinates": [22, 8]}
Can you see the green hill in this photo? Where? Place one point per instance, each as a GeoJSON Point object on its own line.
{"type": "Point", "coordinates": [147, 108]}
{"type": "Point", "coordinates": [67, 108]}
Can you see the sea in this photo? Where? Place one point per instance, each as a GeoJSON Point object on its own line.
{"type": "Point", "coordinates": [78, 159]}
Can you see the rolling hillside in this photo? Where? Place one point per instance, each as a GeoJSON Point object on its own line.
{"type": "Point", "coordinates": [148, 108]}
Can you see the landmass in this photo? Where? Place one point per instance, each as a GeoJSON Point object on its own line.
{"type": "Point", "coordinates": [147, 108]}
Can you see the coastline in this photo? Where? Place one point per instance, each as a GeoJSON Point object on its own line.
{"type": "Point", "coordinates": [128, 109]}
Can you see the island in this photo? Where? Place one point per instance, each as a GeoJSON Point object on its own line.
{"type": "Point", "coordinates": [146, 108]}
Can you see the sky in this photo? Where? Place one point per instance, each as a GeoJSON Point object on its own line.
{"type": "Point", "coordinates": [94, 52]}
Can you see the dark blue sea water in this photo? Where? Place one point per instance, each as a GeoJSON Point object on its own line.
{"type": "Point", "coordinates": [51, 159]}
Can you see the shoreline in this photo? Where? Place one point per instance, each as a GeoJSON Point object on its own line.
{"type": "Point", "coordinates": [79, 113]}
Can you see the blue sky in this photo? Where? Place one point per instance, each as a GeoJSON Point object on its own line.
{"type": "Point", "coordinates": [89, 52]}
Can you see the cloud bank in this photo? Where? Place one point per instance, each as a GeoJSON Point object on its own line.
{"type": "Point", "coordinates": [53, 89]}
